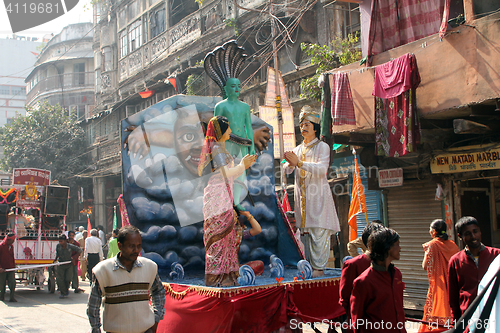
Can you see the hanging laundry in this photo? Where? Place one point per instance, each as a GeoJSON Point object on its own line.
{"type": "Point", "coordinates": [396, 23]}
{"type": "Point", "coordinates": [393, 77]}
{"type": "Point", "coordinates": [342, 106]}
{"type": "Point", "coordinates": [326, 109]}
{"type": "Point", "coordinates": [397, 130]}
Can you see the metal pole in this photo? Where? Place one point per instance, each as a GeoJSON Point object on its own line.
{"type": "Point", "coordinates": [278, 98]}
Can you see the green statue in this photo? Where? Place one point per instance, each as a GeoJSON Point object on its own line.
{"type": "Point", "coordinates": [223, 65]}
{"type": "Point", "coordinates": [238, 114]}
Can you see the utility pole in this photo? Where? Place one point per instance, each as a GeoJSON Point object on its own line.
{"type": "Point", "coordinates": [278, 96]}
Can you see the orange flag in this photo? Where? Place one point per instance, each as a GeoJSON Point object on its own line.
{"type": "Point", "coordinates": [358, 203]}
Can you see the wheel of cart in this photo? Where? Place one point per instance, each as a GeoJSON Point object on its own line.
{"type": "Point", "coordinates": [51, 282]}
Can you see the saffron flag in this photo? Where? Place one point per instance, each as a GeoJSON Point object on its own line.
{"type": "Point", "coordinates": [358, 202]}
{"type": "Point", "coordinates": [89, 226]}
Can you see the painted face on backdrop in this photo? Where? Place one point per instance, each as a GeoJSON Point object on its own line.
{"type": "Point", "coordinates": [471, 235]}
{"type": "Point", "coordinates": [233, 87]}
{"type": "Point", "coordinates": [189, 137]}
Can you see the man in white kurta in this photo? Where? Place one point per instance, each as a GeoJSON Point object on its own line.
{"type": "Point", "coordinates": [315, 211]}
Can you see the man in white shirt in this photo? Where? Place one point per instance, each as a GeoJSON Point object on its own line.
{"type": "Point", "coordinates": [93, 252]}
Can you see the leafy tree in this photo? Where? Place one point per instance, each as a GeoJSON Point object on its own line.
{"type": "Point", "coordinates": [342, 52]}
{"type": "Point", "coordinates": [45, 138]}
{"type": "Point", "coordinates": [195, 85]}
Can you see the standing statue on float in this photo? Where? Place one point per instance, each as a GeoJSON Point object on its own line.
{"type": "Point", "coordinates": [314, 207]}
{"type": "Point", "coordinates": [224, 64]}
{"type": "Point", "coordinates": [222, 232]}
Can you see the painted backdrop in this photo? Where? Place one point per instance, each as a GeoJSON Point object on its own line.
{"type": "Point", "coordinates": [164, 195]}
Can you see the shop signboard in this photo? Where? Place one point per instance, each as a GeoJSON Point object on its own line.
{"type": "Point", "coordinates": [470, 158]}
{"type": "Point", "coordinates": [390, 177]}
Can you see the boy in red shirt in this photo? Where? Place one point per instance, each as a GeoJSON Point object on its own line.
{"type": "Point", "coordinates": [377, 294]}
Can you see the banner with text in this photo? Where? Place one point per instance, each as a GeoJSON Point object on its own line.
{"type": "Point", "coordinates": [30, 184]}
{"type": "Point", "coordinates": [268, 112]}
{"type": "Point", "coordinates": [390, 177]}
{"type": "Point", "coordinates": [472, 158]}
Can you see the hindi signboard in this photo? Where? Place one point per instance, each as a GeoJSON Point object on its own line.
{"type": "Point", "coordinates": [26, 176]}
{"type": "Point", "coordinates": [30, 184]}
{"type": "Point", "coordinates": [390, 177]}
{"type": "Point", "coordinates": [471, 158]}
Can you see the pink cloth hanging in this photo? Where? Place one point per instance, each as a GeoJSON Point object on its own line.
{"type": "Point", "coordinates": [393, 77]}
{"type": "Point", "coordinates": [342, 106]}
{"type": "Point", "coordinates": [397, 128]}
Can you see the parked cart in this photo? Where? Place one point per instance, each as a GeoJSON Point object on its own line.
{"type": "Point", "coordinates": [34, 254]}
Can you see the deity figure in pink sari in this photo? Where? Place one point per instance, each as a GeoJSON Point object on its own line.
{"type": "Point", "coordinates": [223, 233]}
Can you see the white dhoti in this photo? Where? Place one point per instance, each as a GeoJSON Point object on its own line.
{"type": "Point", "coordinates": [317, 246]}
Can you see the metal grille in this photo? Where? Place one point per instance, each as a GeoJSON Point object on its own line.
{"type": "Point", "coordinates": [410, 211]}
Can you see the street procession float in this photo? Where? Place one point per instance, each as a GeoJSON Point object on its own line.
{"type": "Point", "coordinates": [36, 234]}
{"type": "Point", "coordinates": [163, 195]}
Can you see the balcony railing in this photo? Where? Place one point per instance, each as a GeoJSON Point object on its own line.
{"type": "Point", "coordinates": [189, 29]}
{"type": "Point", "coordinates": [62, 82]}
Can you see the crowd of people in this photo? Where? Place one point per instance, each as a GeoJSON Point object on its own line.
{"type": "Point", "coordinates": [371, 287]}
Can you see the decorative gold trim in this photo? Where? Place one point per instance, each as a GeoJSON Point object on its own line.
{"type": "Point", "coordinates": [174, 294]}
{"type": "Point", "coordinates": [229, 292]}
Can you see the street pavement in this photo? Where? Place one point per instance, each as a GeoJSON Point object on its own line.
{"type": "Point", "coordinates": [38, 311]}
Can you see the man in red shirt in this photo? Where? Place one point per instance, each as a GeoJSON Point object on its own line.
{"type": "Point", "coordinates": [467, 267]}
{"type": "Point", "coordinates": [6, 262]}
{"type": "Point", "coordinates": [377, 294]}
{"type": "Point", "coordinates": [353, 268]}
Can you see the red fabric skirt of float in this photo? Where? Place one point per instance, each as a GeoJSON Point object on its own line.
{"type": "Point", "coordinates": [248, 309]}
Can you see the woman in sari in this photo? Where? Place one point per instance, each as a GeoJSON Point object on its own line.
{"type": "Point", "coordinates": [437, 255]}
{"type": "Point", "coordinates": [223, 233]}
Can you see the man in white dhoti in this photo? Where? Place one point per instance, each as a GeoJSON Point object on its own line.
{"type": "Point", "coordinates": [315, 210]}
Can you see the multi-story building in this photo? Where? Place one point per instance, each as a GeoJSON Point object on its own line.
{"type": "Point", "coordinates": [454, 171]}
{"type": "Point", "coordinates": [13, 71]}
{"type": "Point", "coordinates": [138, 45]}
{"type": "Point", "coordinates": [64, 74]}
